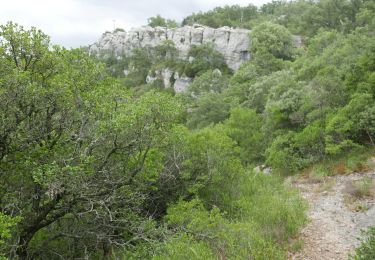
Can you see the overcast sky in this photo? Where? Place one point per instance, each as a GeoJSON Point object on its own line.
{"type": "Point", "coordinates": [73, 23]}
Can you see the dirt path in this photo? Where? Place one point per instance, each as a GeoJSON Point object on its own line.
{"type": "Point", "coordinates": [334, 223]}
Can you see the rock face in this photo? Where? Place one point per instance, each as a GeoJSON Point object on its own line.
{"type": "Point", "coordinates": [181, 83]}
{"type": "Point", "coordinates": [232, 43]}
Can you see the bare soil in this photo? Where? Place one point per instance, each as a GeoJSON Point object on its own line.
{"type": "Point", "coordinates": [335, 218]}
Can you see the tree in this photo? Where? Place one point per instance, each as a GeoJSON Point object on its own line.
{"type": "Point", "coordinates": [160, 21]}
{"type": "Point", "coordinates": [209, 82]}
{"type": "Point", "coordinates": [233, 16]}
{"type": "Point", "coordinates": [352, 125]}
{"type": "Point", "coordinates": [244, 126]}
{"type": "Point", "coordinates": [6, 224]}
{"type": "Point", "coordinates": [75, 148]}
{"type": "Point", "coordinates": [204, 57]}
{"type": "Point", "coordinates": [210, 108]}
{"type": "Point", "coordinates": [272, 39]}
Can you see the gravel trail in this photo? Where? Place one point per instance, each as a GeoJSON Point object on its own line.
{"type": "Point", "coordinates": [335, 224]}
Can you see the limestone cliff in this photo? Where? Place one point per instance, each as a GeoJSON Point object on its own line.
{"type": "Point", "coordinates": [232, 43]}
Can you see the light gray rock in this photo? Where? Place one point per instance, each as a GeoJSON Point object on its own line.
{"type": "Point", "coordinates": [181, 83]}
{"type": "Point", "coordinates": [150, 79]}
{"type": "Point", "coordinates": [232, 43]}
{"type": "Point", "coordinates": [166, 76]}
{"type": "Point", "coordinates": [263, 169]}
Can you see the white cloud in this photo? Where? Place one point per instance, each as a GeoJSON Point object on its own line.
{"type": "Point", "coordinates": [80, 22]}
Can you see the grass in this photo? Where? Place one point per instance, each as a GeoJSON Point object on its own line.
{"type": "Point", "coordinates": [357, 161]}
{"type": "Point", "coordinates": [366, 250]}
{"type": "Point", "coordinates": [316, 174]}
{"type": "Point", "coordinates": [356, 191]}
{"type": "Point", "coordinates": [296, 245]}
{"type": "Point", "coordinates": [354, 204]}
{"type": "Point", "coordinates": [361, 188]}
{"type": "Point", "coordinates": [327, 185]}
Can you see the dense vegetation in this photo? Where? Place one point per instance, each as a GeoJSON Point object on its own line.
{"type": "Point", "coordinates": [98, 164]}
{"type": "Point", "coordinates": [302, 17]}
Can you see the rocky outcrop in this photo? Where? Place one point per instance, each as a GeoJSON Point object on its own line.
{"type": "Point", "coordinates": [181, 84]}
{"type": "Point", "coordinates": [232, 43]}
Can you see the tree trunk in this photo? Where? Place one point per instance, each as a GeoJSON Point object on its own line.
{"type": "Point", "coordinates": [22, 250]}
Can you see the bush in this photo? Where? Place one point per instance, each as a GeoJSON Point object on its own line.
{"type": "Point", "coordinates": [185, 247]}
{"type": "Point", "coordinates": [204, 58]}
{"type": "Point", "coordinates": [268, 214]}
{"type": "Point", "coordinates": [274, 39]}
{"type": "Point", "coordinates": [6, 224]}
{"type": "Point", "coordinates": [277, 210]}
{"type": "Point", "coordinates": [213, 236]}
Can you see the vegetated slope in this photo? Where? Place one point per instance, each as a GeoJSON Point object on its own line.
{"type": "Point", "coordinates": [95, 167]}
{"type": "Point", "coordinates": [336, 221]}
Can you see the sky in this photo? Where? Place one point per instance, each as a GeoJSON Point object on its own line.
{"type": "Point", "coordinates": [74, 23]}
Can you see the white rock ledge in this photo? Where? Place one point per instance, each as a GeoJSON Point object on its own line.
{"type": "Point", "coordinates": [232, 43]}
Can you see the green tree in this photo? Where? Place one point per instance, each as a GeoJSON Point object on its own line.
{"type": "Point", "coordinates": [244, 126]}
{"type": "Point", "coordinates": [204, 57]}
{"type": "Point", "coordinates": [6, 224]}
{"type": "Point", "coordinates": [72, 136]}
{"type": "Point", "coordinates": [272, 40]}
{"type": "Point", "coordinates": [160, 21]}
{"type": "Point", "coordinates": [209, 82]}
{"type": "Point", "coordinates": [210, 108]}
{"type": "Point", "coordinates": [352, 125]}
{"type": "Point", "coordinates": [234, 16]}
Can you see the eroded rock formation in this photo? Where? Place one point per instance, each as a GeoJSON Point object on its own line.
{"type": "Point", "coordinates": [232, 43]}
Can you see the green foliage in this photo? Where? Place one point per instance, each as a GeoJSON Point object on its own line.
{"type": "Point", "coordinates": [183, 246]}
{"type": "Point", "coordinates": [90, 170]}
{"type": "Point", "coordinates": [275, 208]}
{"type": "Point", "coordinates": [352, 125]}
{"type": "Point", "coordinates": [117, 30]}
{"type": "Point", "coordinates": [301, 17]}
{"type": "Point", "coordinates": [6, 223]}
{"type": "Point", "coordinates": [244, 126]}
{"type": "Point", "coordinates": [367, 248]}
{"type": "Point", "coordinates": [292, 152]}
{"type": "Point", "coordinates": [160, 21]}
{"type": "Point", "coordinates": [213, 175]}
{"type": "Point", "coordinates": [143, 62]}
{"type": "Point", "coordinates": [208, 109]}
{"type": "Point", "coordinates": [262, 222]}
{"type": "Point", "coordinates": [271, 40]}
{"type": "Point", "coordinates": [204, 57]}
{"type": "Point", "coordinates": [233, 16]}
{"type": "Point", "coordinates": [209, 82]}
{"type": "Point", "coordinates": [71, 135]}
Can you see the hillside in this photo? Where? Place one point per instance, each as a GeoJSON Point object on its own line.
{"type": "Point", "coordinates": [232, 139]}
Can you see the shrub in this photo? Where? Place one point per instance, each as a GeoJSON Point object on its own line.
{"type": "Point", "coordinates": [185, 247]}
{"type": "Point", "coordinates": [277, 210]}
{"type": "Point", "coordinates": [212, 236]}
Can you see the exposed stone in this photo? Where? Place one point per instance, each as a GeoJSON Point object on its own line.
{"type": "Point", "coordinates": [334, 225]}
{"type": "Point", "coordinates": [150, 78]}
{"type": "Point", "coordinates": [232, 43]}
{"type": "Point", "coordinates": [181, 84]}
{"type": "Point", "coordinates": [166, 76]}
{"type": "Point", "coordinates": [263, 169]}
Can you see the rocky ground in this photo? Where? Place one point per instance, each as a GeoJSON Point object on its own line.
{"type": "Point", "coordinates": [335, 218]}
